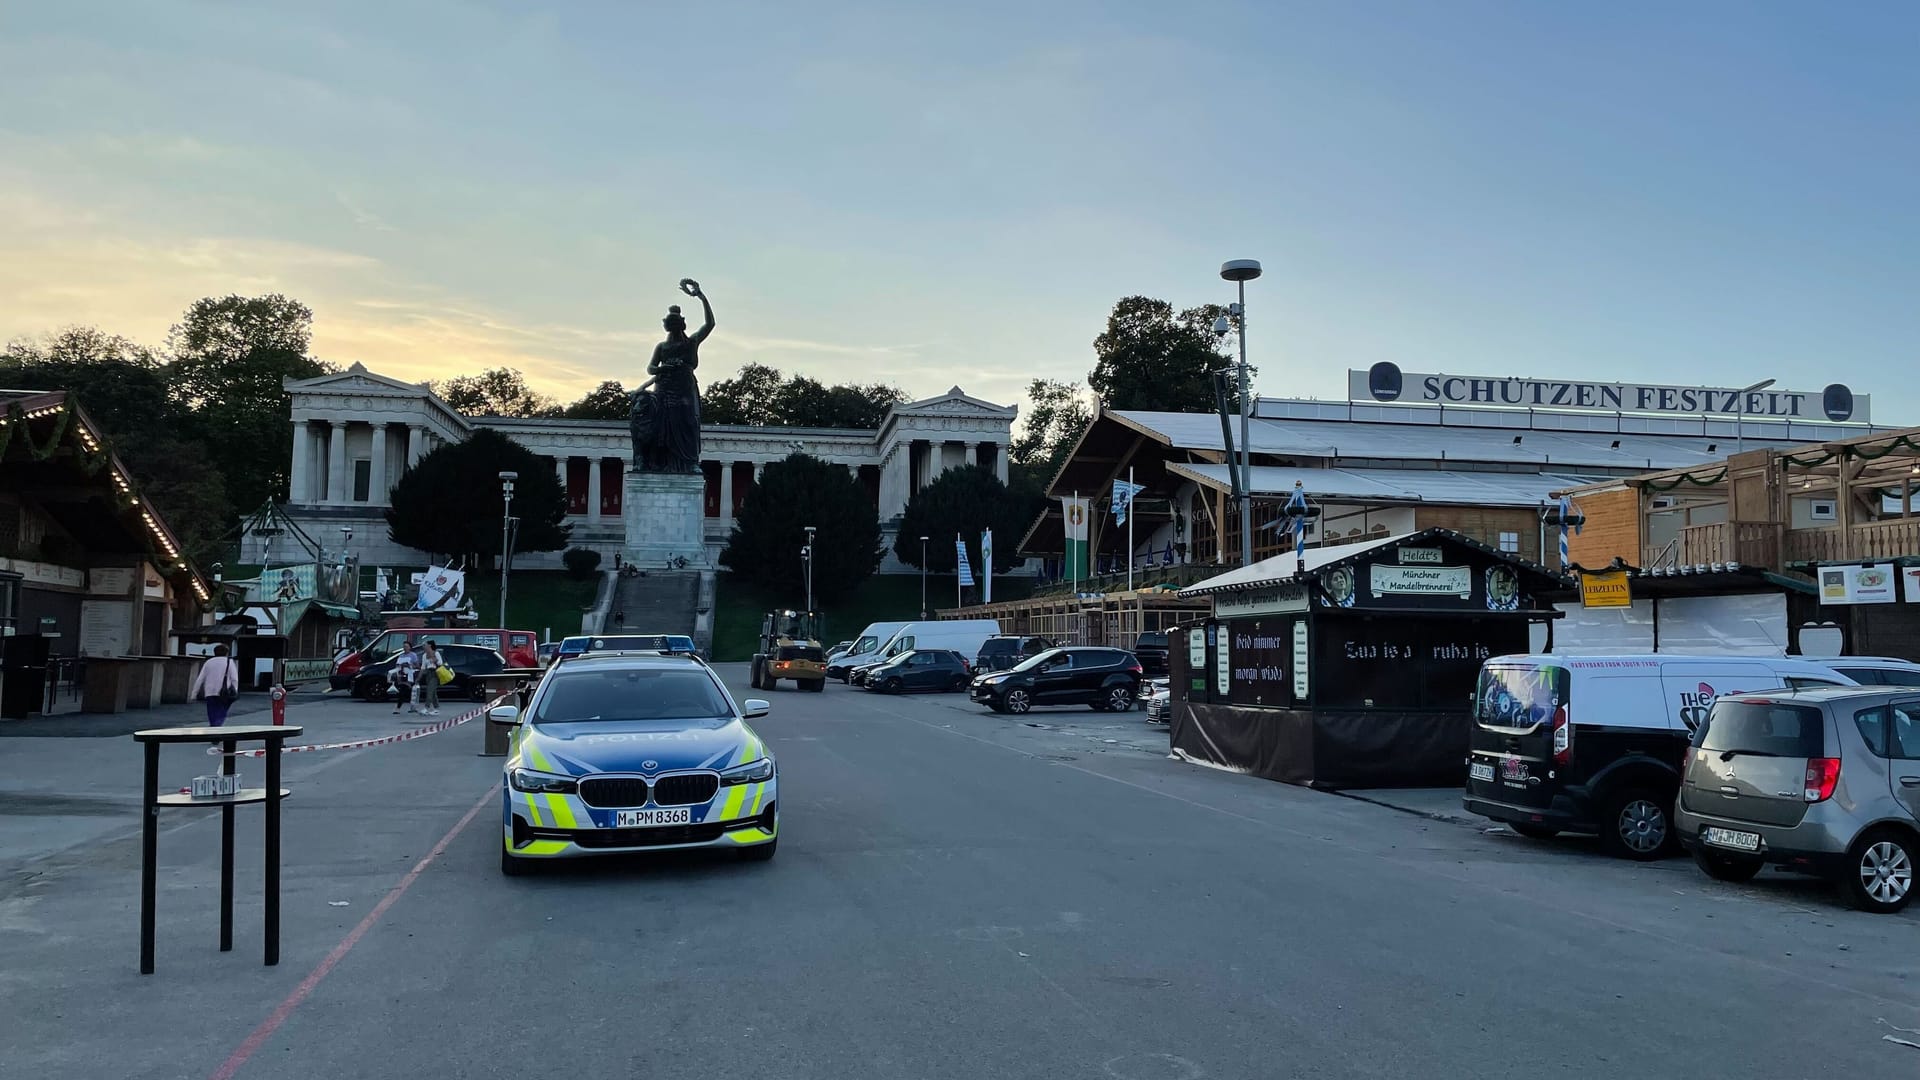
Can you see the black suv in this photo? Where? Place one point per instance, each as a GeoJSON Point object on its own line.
{"type": "Point", "coordinates": [1151, 650]}
{"type": "Point", "coordinates": [1107, 679]}
{"type": "Point", "coordinates": [1003, 651]}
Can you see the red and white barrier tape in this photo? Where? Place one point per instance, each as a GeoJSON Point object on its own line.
{"type": "Point", "coordinates": [357, 744]}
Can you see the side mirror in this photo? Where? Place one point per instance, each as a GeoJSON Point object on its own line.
{"type": "Point", "coordinates": [504, 714]}
{"type": "Point", "coordinates": [755, 708]}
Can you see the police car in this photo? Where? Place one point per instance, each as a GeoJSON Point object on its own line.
{"type": "Point", "coordinates": [624, 752]}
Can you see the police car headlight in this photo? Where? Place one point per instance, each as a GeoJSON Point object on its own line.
{"type": "Point", "coordinates": [752, 772]}
{"type": "Point", "coordinates": [539, 782]}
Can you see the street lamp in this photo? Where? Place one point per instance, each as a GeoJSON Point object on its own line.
{"type": "Point", "coordinates": [807, 553]}
{"type": "Point", "coordinates": [923, 578]}
{"type": "Point", "coordinates": [1740, 417]}
{"type": "Point", "coordinates": [507, 477]}
{"type": "Point", "coordinates": [1241, 271]}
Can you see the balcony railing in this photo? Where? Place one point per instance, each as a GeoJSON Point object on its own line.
{"type": "Point", "coordinates": [1755, 543]}
{"type": "Point", "coordinates": [1868, 540]}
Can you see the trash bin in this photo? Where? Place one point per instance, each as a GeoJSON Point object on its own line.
{"type": "Point", "coordinates": [499, 734]}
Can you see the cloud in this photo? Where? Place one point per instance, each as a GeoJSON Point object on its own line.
{"type": "Point", "coordinates": [361, 215]}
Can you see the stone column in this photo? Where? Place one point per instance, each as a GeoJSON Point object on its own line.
{"type": "Point", "coordinates": [1000, 461]}
{"type": "Point", "coordinates": [593, 488]}
{"type": "Point", "coordinates": [726, 494]}
{"type": "Point", "coordinates": [968, 455]}
{"type": "Point", "coordinates": [378, 487]}
{"type": "Point", "coordinates": [757, 466]}
{"type": "Point", "coordinates": [337, 489]}
{"type": "Point", "coordinates": [300, 479]}
{"type": "Point", "coordinates": [416, 443]}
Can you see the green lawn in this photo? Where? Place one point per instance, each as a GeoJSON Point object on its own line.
{"type": "Point", "coordinates": [881, 598]}
{"type": "Point", "coordinates": [537, 600]}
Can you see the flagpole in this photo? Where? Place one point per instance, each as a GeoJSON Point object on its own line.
{"type": "Point", "coordinates": [960, 545]}
{"type": "Point", "coordinates": [1073, 564]}
{"type": "Point", "coordinates": [1130, 516]}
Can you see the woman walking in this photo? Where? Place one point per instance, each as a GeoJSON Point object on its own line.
{"type": "Point", "coordinates": [427, 694]}
{"type": "Point", "coordinates": [219, 682]}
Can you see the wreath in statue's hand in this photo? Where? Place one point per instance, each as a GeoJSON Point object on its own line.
{"type": "Point", "coordinates": [689, 286]}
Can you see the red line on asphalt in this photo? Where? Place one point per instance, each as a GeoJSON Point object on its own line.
{"type": "Point", "coordinates": [279, 1016]}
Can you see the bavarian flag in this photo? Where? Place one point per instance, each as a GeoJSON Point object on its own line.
{"type": "Point", "coordinates": [960, 553]}
{"type": "Point", "coordinates": [1073, 513]}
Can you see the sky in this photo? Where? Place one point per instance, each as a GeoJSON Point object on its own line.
{"type": "Point", "coordinates": [932, 195]}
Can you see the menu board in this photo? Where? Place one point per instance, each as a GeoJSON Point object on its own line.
{"type": "Point", "coordinates": [1300, 660]}
{"type": "Point", "coordinates": [111, 580]}
{"type": "Point", "coordinates": [1870, 584]}
{"type": "Point", "coordinates": [1261, 653]}
{"type": "Point", "coordinates": [106, 627]}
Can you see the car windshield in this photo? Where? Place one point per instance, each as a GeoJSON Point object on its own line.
{"type": "Point", "coordinates": [1895, 676]}
{"type": "Point", "coordinates": [629, 694]}
{"type": "Point", "coordinates": [865, 645]}
{"type": "Point", "coordinates": [1763, 729]}
{"type": "Point", "coordinates": [799, 652]}
{"type": "Point", "coordinates": [1041, 659]}
{"type": "Point", "coordinates": [1153, 638]}
{"type": "Point", "coordinates": [1000, 645]}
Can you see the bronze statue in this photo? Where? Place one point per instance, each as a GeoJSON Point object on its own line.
{"type": "Point", "coordinates": [666, 409]}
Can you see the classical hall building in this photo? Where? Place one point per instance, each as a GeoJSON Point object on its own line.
{"type": "Point", "coordinates": [355, 432]}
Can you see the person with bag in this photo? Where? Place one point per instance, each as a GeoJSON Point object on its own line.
{"type": "Point", "coordinates": [406, 677]}
{"type": "Point", "coordinates": [218, 681]}
{"type": "Point", "coordinates": [426, 692]}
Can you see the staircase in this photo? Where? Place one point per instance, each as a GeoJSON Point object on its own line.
{"type": "Point", "coordinates": [664, 602]}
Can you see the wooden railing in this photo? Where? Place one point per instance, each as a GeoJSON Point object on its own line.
{"type": "Point", "coordinates": [1755, 543]}
{"type": "Point", "coordinates": [1868, 540]}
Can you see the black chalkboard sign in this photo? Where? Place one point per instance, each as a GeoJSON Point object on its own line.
{"type": "Point", "coordinates": [1407, 663]}
{"type": "Point", "coordinates": [1261, 659]}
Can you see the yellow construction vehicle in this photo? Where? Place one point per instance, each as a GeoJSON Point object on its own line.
{"type": "Point", "coordinates": [789, 649]}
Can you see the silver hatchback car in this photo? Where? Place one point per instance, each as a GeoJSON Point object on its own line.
{"type": "Point", "coordinates": [1819, 781]}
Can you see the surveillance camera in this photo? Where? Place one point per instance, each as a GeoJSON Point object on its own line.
{"type": "Point", "coordinates": [1222, 324]}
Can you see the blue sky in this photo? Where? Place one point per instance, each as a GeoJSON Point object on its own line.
{"type": "Point", "coordinates": [931, 195]}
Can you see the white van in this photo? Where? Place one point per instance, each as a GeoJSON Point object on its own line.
{"type": "Point", "coordinates": [963, 636]}
{"type": "Point", "coordinates": [1595, 743]}
{"type": "Point", "coordinates": [867, 641]}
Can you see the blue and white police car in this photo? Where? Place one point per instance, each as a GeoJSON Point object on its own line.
{"type": "Point", "coordinates": [626, 752]}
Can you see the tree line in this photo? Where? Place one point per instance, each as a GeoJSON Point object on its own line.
{"type": "Point", "coordinates": [757, 395]}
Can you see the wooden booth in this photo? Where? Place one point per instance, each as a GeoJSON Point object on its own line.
{"type": "Point", "coordinates": [1355, 665]}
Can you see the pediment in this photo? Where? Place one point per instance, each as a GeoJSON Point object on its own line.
{"type": "Point", "coordinates": [355, 380]}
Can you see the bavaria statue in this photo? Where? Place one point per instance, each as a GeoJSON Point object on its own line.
{"type": "Point", "coordinates": [666, 408]}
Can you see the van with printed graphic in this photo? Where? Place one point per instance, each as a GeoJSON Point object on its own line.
{"type": "Point", "coordinates": [1594, 744]}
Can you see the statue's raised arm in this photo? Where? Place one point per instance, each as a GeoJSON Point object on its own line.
{"type": "Point", "coordinates": [692, 288]}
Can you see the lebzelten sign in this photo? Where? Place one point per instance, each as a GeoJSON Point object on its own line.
{"type": "Point", "coordinates": [1386, 382]}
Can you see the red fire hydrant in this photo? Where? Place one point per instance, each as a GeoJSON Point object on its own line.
{"type": "Point", "coordinates": [279, 698]}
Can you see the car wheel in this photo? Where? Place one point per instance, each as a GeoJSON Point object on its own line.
{"type": "Point", "coordinates": [513, 865]}
{"type": "Point", "coordinates": [1725, 867]}
{"type": "Point", "coordinates": [479, 692]}
{"type": "Point", "coordinates": [1018, 703]}
{"type": "Point", "coordinates": [1636, 824]}
{"type": "Point", "coordinates": [760, 852]}
{"type": "Point", "coordinates": [1119, 699]}
{"type": "Point", "coordinates": [1880, 871]}
{"type": "Point", "coordinates": [1533, 832]}
{"type": "Point", "coordinates": [816, 686]}
{"type": "Point", "coordinates": [958, 684]}
{"type": "Point", "coordinates": [891, 686]}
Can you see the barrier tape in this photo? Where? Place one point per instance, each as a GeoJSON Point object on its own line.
{"type": "Point", "coordinates": [384, 740]}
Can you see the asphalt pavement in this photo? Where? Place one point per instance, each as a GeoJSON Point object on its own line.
{"type": "Point", "coordinates": [957, 894]}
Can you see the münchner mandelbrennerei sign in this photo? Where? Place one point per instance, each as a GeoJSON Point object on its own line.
{"type": "Point", "coordinates": [1386, 382]}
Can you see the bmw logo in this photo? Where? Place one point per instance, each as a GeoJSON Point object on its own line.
{"type": "Point", "coordinates": [649, 765]}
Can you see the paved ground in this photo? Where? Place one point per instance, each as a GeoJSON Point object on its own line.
{"type": "Point", "coordinates": [957, 895]}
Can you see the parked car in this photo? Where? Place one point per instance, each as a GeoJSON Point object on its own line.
{"type": "Point", "coordinates": [1159, 701]}
{"type": "Point", "coordinates": [549, 651]}
{"type": "Point", "coordinates": [520, 647]}
{"type": "Point", "coordinates": [921, 669]}
{"type": "Point", "coordinates": [1151, 650]}
{"type": "Point", "coordinates": [1003, 651]}
{"type": "Point", "coordinates": [864, 650]}
{"type": "Point", "coordinates": [467, 661]}
{"type": "Point", "coordinates": [1106, 679]}
{"type": "Point", "coordinates": [961, 635]}
{"type": "Point", "coordinates": [1823, 782]}
{"type": "Point", "coordinates": [1595, 743]}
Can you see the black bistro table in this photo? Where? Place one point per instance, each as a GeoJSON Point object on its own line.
{"type": "Point", "coordinates": [228, 737]}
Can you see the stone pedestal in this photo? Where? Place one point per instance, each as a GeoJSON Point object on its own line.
{"type": "Point", "coordinates": [666, 516]}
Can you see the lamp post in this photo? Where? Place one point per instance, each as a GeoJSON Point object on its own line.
{"type": "Point", "coordinates": [1241, 271]}
{"type": "Point", "coordinates": [507, 477]}
{"type": "Point", "coordinates": [807, 553]}
{"type": "Point", "coordinates": [1740, 416]}
{"type": "Point", "coordinates": [923, 578]}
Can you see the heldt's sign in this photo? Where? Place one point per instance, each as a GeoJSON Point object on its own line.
{"type": "Point", "coordinates": [1386, 382]}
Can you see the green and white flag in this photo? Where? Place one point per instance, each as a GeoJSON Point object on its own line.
{"type": "Point", "coordinates": [986, 566]}
{"type": "Point", "coordinates": [1073, 513]}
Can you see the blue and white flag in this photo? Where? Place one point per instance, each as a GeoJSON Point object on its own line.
{"type": "Point", "coordinates": [966, 569]}
{"type": "Point", "coordinates": [1123, 494]}
{"type": "Point", "coordinates": [1297, 516]}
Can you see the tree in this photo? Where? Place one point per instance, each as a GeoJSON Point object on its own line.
{"type": "Point", "coordinates": [802, 490]}
{"type": "Point", "coordinates": [497, 392]}
{"type": "Point", "coordinates": [1151, 358]}
{"type": "Point", "coordinates": [125, 389]}
{"type": "Point", "coordinates": [762, 396]}
{"type": "Point", "coordinates": [608, 401]}
{"type": "Point", "coordinates": [961, 502]}
{"type": "Point", "coordinates": [232, 357]}
{"type": "Point", "coordinates": [1056, 416]}
{"type": "Point", "coordinates": [448, 502]}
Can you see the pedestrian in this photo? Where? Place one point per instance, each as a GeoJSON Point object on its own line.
{"type": "Point", "coordinates": [616, 562]}
{"type": "Point", "coordinates": [620, 619]}
{"type": "Point", "coordinates": [427, 696]}
{"type": "Point", "coordinates": [406, 672]}
{"type": "Point", "coordinates": [219, 682]}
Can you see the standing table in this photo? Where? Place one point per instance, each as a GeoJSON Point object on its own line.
{"type": "Point", "coordinates": [151, 802]}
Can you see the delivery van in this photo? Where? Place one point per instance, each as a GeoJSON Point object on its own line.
{"type": "Point", "coordinates": [963, 636]}
{"type": "Point", "coordinates": [1595, 743]}
{"type": "Point", "coordinates": [865, 645]}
